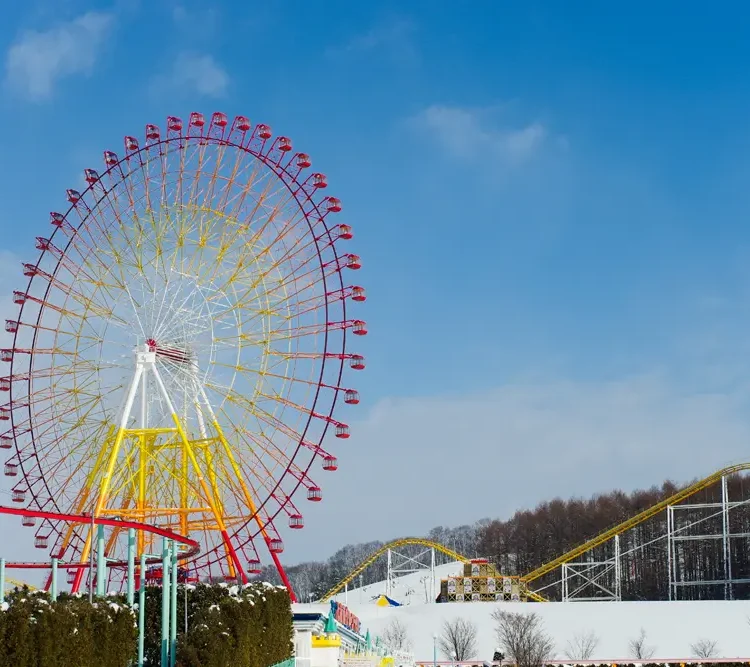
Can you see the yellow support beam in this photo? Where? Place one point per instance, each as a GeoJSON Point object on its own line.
{"type": "Point", "coordinates": [626, 525]}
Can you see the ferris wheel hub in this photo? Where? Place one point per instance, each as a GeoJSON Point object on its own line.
{"type": "Point", "coordinates": [145, 355]}
{"type": "Point", "coordinates": [181, 354]}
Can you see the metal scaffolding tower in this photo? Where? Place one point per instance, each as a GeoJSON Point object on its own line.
{"type": "Point", "coordinates": [400, 564]}
{"type": "Point", "coordinates": [680, 534]}
{"type": "Point", "coordinates": [593, 580]}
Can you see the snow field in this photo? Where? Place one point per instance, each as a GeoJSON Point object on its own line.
{"type": "Point", "coordinates": [671, 627]}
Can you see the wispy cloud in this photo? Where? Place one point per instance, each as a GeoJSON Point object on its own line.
{"type": "Point", "coordinates": [388, 33]}
{"type": "Point", "coordinates": [37, 60]}
{"type": "Point", "coordinates": [197, 22]}
{"type": "Point", "coordinates": [194, 73]}
{"type": "Point", "coordinates": [393, 36]}
{"type": "Point", "coordinates": [573, 438]}
{"type": "Point", "coordinates": [468, 133]}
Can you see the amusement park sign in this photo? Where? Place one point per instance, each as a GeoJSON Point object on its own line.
{"type": "Point", "coordinates": [343, 616]}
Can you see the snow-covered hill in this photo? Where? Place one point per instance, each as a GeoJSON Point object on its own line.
{"type": "Point", "coordinates": [671, 627]}
{"type": "Point", "coordinates": [411, 589]}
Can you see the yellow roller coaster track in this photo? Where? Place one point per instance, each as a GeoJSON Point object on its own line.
{"type": "Point", "coordinates": [634, 521]}
{"type": "Point", "coordinates": [403, 542]}
{"type": "Point", "coordinates": [14, 583]}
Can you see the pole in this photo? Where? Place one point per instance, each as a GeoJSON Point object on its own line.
{"type": "Point", "coordinates": [53, 590]}
{"type": "Point", "coordinates": [433, 582]}
{"type": "Point", "coordinates": [165, 603]}
{"type": "Point", "coordinates": [173, 610]}
{"type": "Point", "coordinates": [131, 566]}
{"type": "Point", "coordinates": [434, 650]}
{"type": "Point", "coordinates": [2, 580]}
{"type": "Point", "coordinates": [728, 588]}
{"type": "Point", "coordinates": [618, 580]}
{"type": "Point", "coordinates": [670, 546]}
{"type": "Point", "coordinates": [101, 566]}
{"type": "Point", "coordinates": [91, 556]}
{"type": "Point", "coordinates": [141, 609]}
{"type": "Point", "coordinates": [389, 575]}
{"type": "Point", "coordinates": [186, 609]}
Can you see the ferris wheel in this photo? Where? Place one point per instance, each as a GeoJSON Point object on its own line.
{"type": "Point", "coordinates": [181, 346]}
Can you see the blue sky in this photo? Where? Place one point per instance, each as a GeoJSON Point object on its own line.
{"type": "Point", "coordinates": [550, 200]}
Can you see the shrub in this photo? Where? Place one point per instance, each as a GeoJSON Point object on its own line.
{"type": "Point", "coordinates": [67, 633]}
{"type": "Point", "coordinates": [245, 626]}
{"type": "Point", "coordinates": [242, 626]}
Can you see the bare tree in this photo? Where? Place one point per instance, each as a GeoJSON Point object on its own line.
{"type": "Point", "coordinates": [639, 649]}
{"type": "Point", "coordinates": [705, 648]}
{"type": "Point", "coordinates": [582, 646]}
{"type": "Point", "coordinates": [458, 639]}
{"type": "Point", "coordinates": [524, 638]}
{"type": "Point", "coordinates": [396, 636]}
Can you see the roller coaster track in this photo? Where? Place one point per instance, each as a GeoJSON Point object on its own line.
{"type": "Point", "coordinates": [403, 542]}
{"type": "Point", "coordinates": [578, 551]}
{"type": "Point", "coordinates": [395, 544]}
{"type": "Point", "coordinates": [634, 521]}
{"type": "Point", "coordinates": [18, 584]}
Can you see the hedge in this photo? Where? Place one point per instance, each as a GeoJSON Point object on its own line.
{"type": "Point", "coordinates": [245, 626]}
{"type": "Point", "coordinates": [70, 632]}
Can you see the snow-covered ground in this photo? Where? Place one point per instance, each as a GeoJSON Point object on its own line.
{"type": "Point", "coordinates": [671, 627]}
{"type": "Point", "coordinates": [411, 589]}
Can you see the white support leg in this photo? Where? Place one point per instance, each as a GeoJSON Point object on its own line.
{"type": "Point", "coordinates": [618, 578]}
{"type": "Point", "coordinates": [144, 404]}
{"type": "Point", "coordinates": [670, 552]}
{"type": "Point", "coordinates": [131, 397]}
{"type": "Point", "coordinates": [388, 576]}
{"type": "Point", "coordinates": [433, 583]}
{"type": "Point", "coordinates": [162, 389]}
{"type": "Point", "coordinates": [728, 588]}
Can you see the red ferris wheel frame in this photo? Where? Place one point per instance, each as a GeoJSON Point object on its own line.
{"type": "Point", "coordinates": [122, 524]}
{"type": "Point", "coordinates": [288, 167]}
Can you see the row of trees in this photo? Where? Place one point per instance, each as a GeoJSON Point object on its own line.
{"type": "Point", "coordinates": [247, 626]}
{"type": "Point", "coordinates": [67, 633]}
{"type": "Point", "coordinates": [531, 538]}
{"type": "Point", "coordinates": [525, 641]}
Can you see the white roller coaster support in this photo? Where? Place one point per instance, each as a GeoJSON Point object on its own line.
{"type": "Point", "coordinates": [618, 571]}
{"type": "Point", "coordinates": [594, 580]}
{"type": "Point", "coordinates": [400, 565]}
{"type": "Point", "coordinates": [726, 543]}
{"type": "Point", "coordinates": [676, 534]}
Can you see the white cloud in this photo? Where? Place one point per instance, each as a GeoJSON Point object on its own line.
{"type": "Point", "coordinates": [414, 463]}
{"type": "Point", "coordinates": [36, 61]}
{"type": "Point", "coordinates": [196, 22]}
{"type": "Point", "coordinates": [388, 33]}
{"type": "Point", "coordinates": [195, 73]}
{"type": "Point", "coordinates": [393, 36]}
{"type": "Point", "coordinates": [466, 133]}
